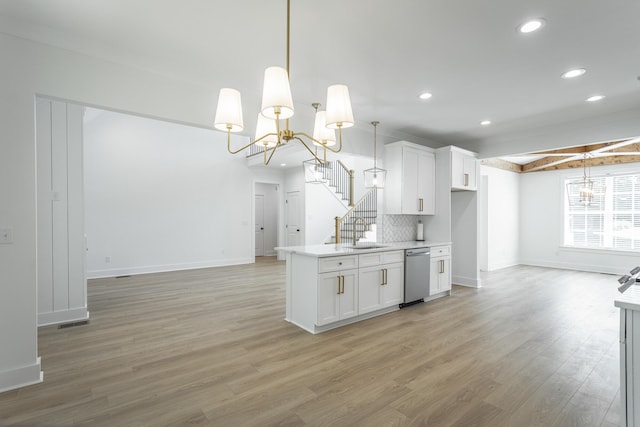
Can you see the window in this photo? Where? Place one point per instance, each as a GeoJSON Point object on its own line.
{"type": "Point", "coordinates": [611, 220]}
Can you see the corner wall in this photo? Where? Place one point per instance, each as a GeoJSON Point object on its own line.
{"type": "Point", "coordinates": [500, 215]}
{"type": "Point", "coordinates": [162, 197]}
{"type": "Point", "coordinates": [541, 219]}
{"type": "Point", "coordinates": [35, 69]}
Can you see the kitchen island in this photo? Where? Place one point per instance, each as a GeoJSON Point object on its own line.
{"type": "Point", "coordinates": [328, 286]}
{"type": "Point", "coordinates": [629, 304]}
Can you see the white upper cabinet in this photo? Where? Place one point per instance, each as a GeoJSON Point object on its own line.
{"type": "Point", "coordinates": [410, 187]}
{"type": "Point", "coordinates": [464, 170]}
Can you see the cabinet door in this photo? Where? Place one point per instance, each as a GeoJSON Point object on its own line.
{"type": "Point", "coordinates": [457, 170]}
{"type": "Point", "coordinates": [469, 169]}
{"type": "Point", "coordinates": [426, 184]}
{"type": "Point", "coordinates": [349, 295]}
{"type": "Point", "coordinates": [337, 296]}
{"type": "Point", "coordinates": [328, 298]}
{"type": "Point", "coordinates": [463, 171]}
{"type": "Point", "coordinates": [370, 289]}
{"type": "Point", "coordinates": [393, 289]}
{"type": "Point", "coordinates": [440, 275]}
{"type": "Point", "coordinates": [410, 167]}
{"type": "Point", "coordinates": [444, 283]}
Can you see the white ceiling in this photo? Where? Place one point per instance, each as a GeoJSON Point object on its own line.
{"type": "Point", "coordinates": [466, 52]}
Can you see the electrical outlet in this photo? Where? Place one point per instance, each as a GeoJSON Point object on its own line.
{"type": "Point", "coordinates": [6, 235]}
{"type": "Point", "coordinates": [107, 259]}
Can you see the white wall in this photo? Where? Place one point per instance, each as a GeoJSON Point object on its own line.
{"type": "Point", "coordinates": [321, 208]}
{"type": "Point", "coordinates": [500, 218]}
{"type": "Point", "coordinates": [162, 196]}
{"type": "Point", "coordinates": [542, 196]}
{"type": "Point", "coordinates": [464, 238]}
{"type": "Point", "coordinates": [35, 69]}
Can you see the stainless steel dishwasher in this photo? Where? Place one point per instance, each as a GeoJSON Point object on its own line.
{"type": "Point", "coordinates": [416, 275]}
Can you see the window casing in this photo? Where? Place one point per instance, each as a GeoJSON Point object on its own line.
{"type": "Point", "coordinates": [611, 220]}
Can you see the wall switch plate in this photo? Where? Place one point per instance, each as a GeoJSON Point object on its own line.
{"type": "Point", "coordinates": [6, 235]}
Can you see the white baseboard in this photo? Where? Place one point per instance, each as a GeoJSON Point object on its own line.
{"type": "Point", "coordinates": [65, 316]}
{"type": "Point", "coordinates": [592, 268]}
{"type": "Point", "coordinates": [130, 271]}
{"type": "Point", "coordinates": [501, 265]}
{"type": "Point", "coordinates": [21, 377]}
{"type": "Point", "coordinates": [467, 281]}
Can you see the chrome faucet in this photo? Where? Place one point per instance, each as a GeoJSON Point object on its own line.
{"type": "Point", "coordinates": [355, 234]}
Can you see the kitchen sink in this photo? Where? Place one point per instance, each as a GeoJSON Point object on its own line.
{"type": "Point", "coordinates": [366, 246]}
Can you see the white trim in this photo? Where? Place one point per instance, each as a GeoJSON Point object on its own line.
{"type": "Point", "coordinates": [466, 281]}
{"type": "Point", "coordinates": [592, 268]}
{"type": "Point", "coordinates": [599, 251]}
{"type": "Point", "coordinates": [21, 377]}
{"type": "Point", "coordinates": [65, 316]}
{"type": "Point", "coordinates": [99, 274]}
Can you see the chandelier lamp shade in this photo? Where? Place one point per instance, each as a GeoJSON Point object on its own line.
{"type": "Point", "coordinates": [272, 129]}
{"type": "Point", "coordinates": [375, 177]}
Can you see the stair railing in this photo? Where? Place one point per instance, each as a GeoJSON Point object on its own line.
{"type": "Point", "coordinates": [342, 179]}
{"type": "Point", "coordinates": [368, 202]}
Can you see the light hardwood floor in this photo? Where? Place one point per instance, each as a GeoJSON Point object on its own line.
{"type": "Point", "coordinates": [534, 346]}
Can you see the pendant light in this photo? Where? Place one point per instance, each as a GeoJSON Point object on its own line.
{"type": "Point", "coordinates": [580, 192]}
{"type": "Point", "coordinates": [375, 177]}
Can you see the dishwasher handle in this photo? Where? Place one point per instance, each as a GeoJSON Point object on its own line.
{"type": "Point", "coordinates": [411, 254]}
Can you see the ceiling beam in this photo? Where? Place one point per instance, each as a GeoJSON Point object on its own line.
{"type": "Point", "coordinates": [595, 161]}
{"type": "Point", "coordinates": [546, 162]}
{"type": "Point", "coordinates": [502, 164]}
{"type": "Point", "coordinates": [574, 151]}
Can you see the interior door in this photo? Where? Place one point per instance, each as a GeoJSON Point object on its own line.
{"type": "Point", "coordinates": [293, 218]}
{"type": "Point", "coordinates": [259, 225]}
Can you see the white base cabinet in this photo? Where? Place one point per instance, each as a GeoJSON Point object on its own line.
{"type": "Point", "coordinates": [380, 287]}
{"type": "Point", "coordinates": [337, 296]}
{"type": "Point", "coordinates": [325, 293]}
{"type": "Point", "coordinates": [440, 270]}
{"type": "Point", "coordinates": [629, 304]}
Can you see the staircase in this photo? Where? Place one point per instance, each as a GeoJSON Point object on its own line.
{"type": "Point", "coordinates": [367, 209]}
{"type": "Point", "coordinates": [340, 180]}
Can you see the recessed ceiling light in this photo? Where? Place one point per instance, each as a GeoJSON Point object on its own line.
{"type": "Point", "coordinates": [573, 73]}
{"type": "Point", "coordinates": [283, 164]}
{"type": "Point", "coordinates": [425, 95]}
{"type": "Point", "coordinates": [485, 122]}
{"type": "Point", "coordinates": [532, 25]}
{"type": "Point", "coordinates": [595, 98]}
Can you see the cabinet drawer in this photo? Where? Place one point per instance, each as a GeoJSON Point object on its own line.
{"type": "Point", "coordinates": [440, 251]}
{"type": "Point", "coordinates": [337, 263]}
{"type": "Point", "coordinates": [379, 258]}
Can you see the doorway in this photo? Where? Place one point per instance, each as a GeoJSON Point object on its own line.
{"type": "Point", "coordinates": [266, 218]}
{"type": "Point", "coordinates": [294, 223]}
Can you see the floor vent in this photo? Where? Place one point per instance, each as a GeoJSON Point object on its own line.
{"type": "Point", "coordinates": [72, 324]}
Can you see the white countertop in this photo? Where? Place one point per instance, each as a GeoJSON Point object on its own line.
{"type": "Point", "coordinates": [344, 249]}
{"type": "Point", "coordinates": [630, 299]}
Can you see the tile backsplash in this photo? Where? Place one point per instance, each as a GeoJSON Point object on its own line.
{"type": "Point", "coordinates": [399, 228]}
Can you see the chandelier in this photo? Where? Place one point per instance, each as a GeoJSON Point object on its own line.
{"type": "Point", "coordinates": [277, 107]}
{"type": "Point", "coordinates": [580, 192]}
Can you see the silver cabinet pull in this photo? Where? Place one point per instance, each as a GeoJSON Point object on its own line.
{"type": "Point", "coordinates": [466, 179]}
